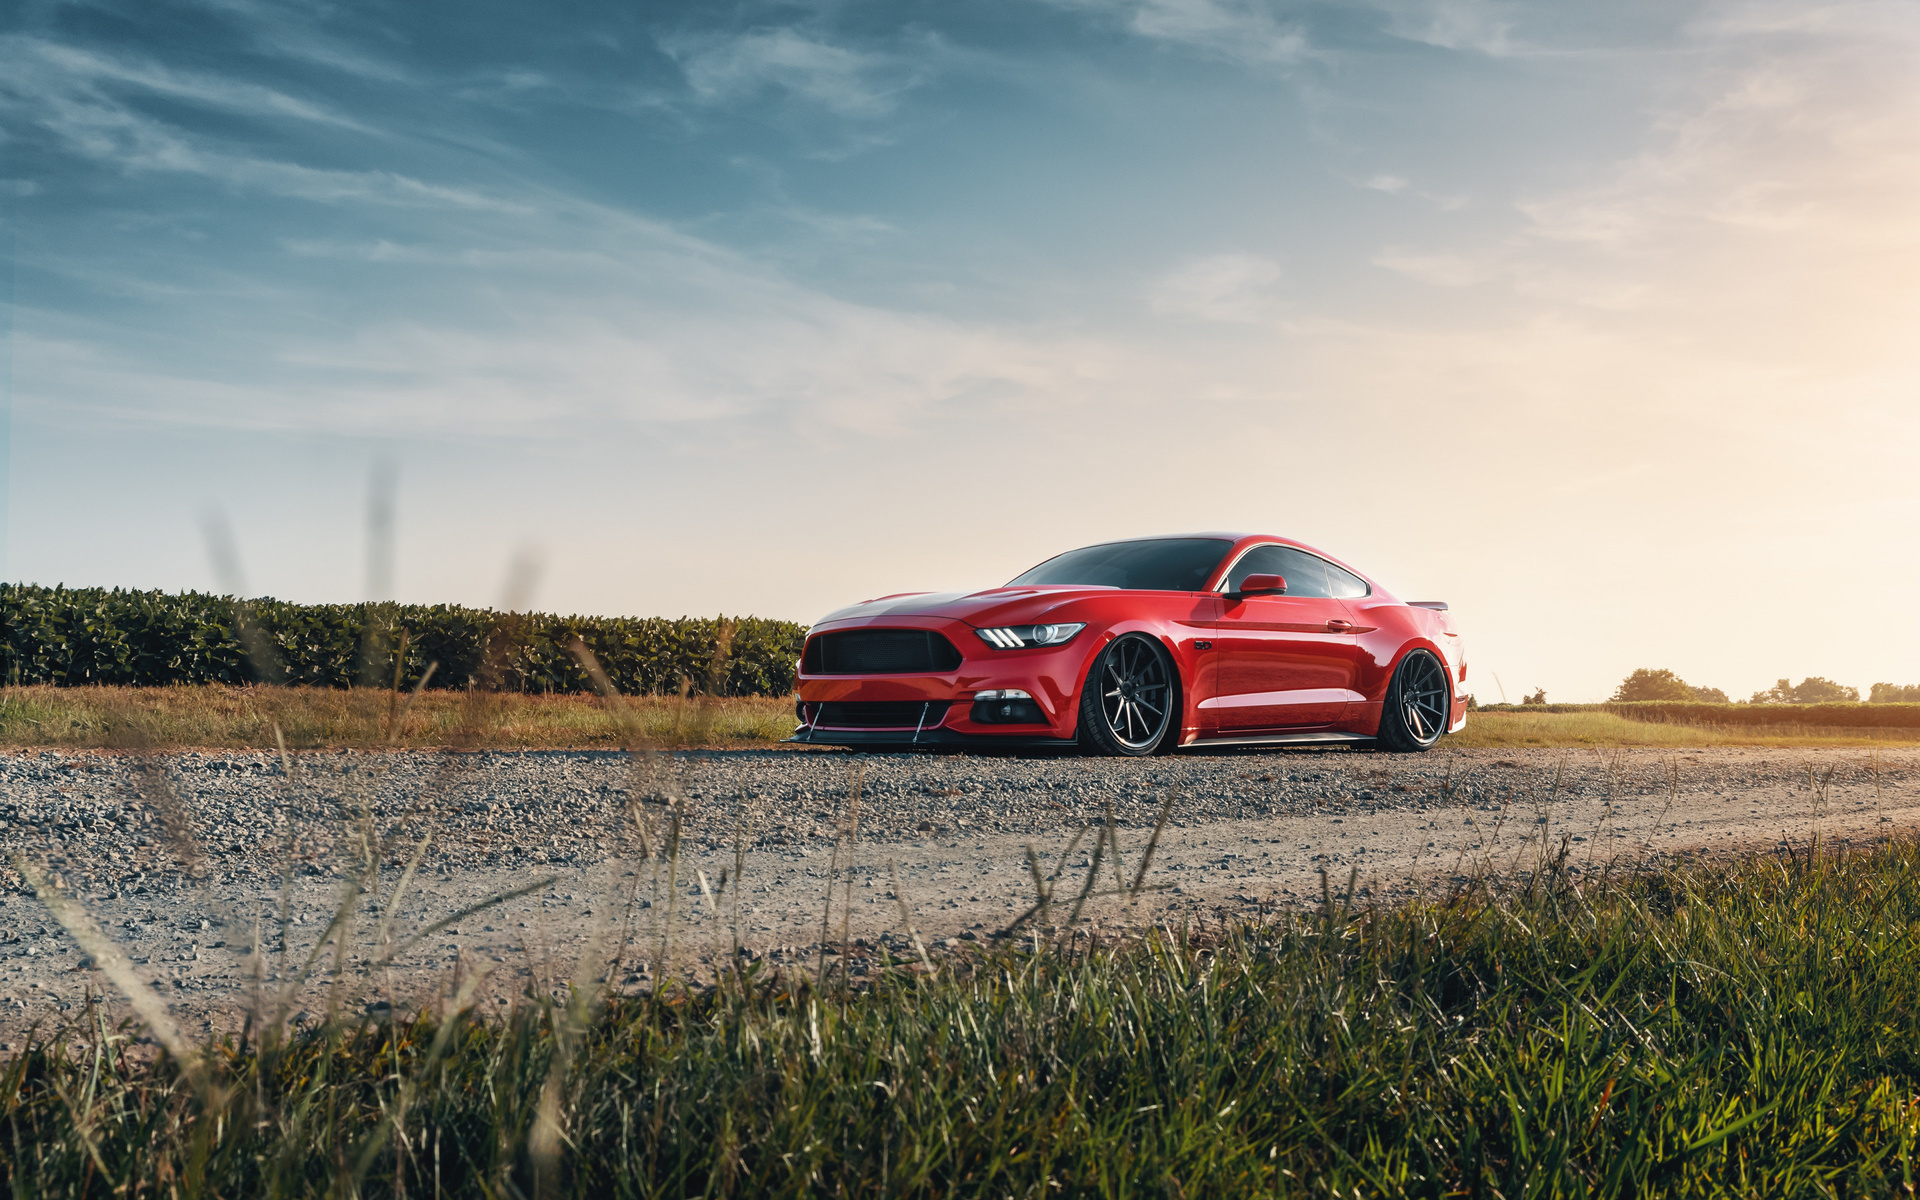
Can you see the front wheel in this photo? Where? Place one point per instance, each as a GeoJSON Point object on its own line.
{"type": "Point", "coordinates": [1418, 702]}
{"type": "Point", "coordinates": [1127, 706]}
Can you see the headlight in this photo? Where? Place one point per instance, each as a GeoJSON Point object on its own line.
{"type": "Point", "coordinates": [1017, 637]}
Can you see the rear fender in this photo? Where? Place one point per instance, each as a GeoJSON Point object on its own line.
{"type": "Point", "coordinates": [1368, 719]}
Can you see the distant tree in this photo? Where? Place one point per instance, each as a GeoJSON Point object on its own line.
{"type": "Point", "coordinates": [1814, 689]}
{"type": "Point", "coordinates": [1893, 693]}
{"type": "Point", "coordinates": [1649, 684]}
{"type": "Point", "coordinates": [1539, 697]}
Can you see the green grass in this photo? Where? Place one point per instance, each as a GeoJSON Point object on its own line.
{"type": "Point", "coordinates": [1739, 1029]}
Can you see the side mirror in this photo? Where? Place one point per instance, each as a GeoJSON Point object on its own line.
{"type": "Point", "coordinates": [1254, 585]}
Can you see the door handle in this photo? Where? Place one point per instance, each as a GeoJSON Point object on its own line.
{"type": "Point", "coordinates": [1339, 626]}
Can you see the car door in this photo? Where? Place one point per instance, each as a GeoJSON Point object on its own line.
{"type": "Point", "coordinates": [1286, 661]}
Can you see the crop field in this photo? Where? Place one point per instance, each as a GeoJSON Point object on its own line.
{"type": "Point", "coordinates": [102, 636]}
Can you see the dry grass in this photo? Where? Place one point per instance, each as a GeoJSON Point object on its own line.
{"type": "Point", "coordinates": [1500, 729]}
{"type": "Point", "coordinates": [244, 718]}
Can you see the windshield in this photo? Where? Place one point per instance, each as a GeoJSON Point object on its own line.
{"type": "Point", "coordinates": [1155, 565]}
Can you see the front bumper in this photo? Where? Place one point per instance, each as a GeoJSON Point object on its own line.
{"type": "Point", "coordinates": [1050, 675]}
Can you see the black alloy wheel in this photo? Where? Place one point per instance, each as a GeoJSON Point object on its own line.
{"type": "Point", "coordinates": [1418, 704]}
{"type": "Point", "coordinates": [1127, 707]}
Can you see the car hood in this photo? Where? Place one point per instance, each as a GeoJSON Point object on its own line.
{"type": "Point", "coordinates": [994, 606]}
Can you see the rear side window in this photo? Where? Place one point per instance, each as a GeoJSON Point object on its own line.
{"type": "Point", "coordinates": [1305, 574]}
{"type": "Point", "coordinates": [1345, 584]}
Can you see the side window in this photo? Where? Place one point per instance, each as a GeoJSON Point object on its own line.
{"type": "Point", "coordinates": [1305, 574]}
{"type": "Point", "coordinates": [1345, 585]}
{"type": "Point", "coordinates": [1261, 560]}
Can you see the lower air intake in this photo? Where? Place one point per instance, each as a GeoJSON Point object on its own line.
{"type": "Point", "coordinates": [874, 714]}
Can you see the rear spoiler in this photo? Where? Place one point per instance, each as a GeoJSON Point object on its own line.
{"type": "Point", "coordinates": [1435, 605]}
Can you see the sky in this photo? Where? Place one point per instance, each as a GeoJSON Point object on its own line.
{"type": "Point", "coordinates": [1599, 322]}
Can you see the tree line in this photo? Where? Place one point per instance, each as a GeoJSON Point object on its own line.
{"type": "Point", "coordinates": [1661, 684]}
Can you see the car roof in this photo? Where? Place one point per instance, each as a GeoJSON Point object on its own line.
{"type": "Point", "coordinates": [1222, 534]}
{"type": "Point", "coordinates": [1241, 540]}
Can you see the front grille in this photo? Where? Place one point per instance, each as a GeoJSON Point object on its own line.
{"type": "Point", "coordinates": [875, 714]}
{"type": "Point", "coordinates": [880, 652]}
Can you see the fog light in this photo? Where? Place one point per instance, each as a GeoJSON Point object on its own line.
{"type": "Point", "coordinates": [1006, 706]}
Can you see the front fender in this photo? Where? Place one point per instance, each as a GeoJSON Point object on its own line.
{"type": "Point", "coordinates": [1188, 639]}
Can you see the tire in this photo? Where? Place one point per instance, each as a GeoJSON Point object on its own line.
{"type": "Point", "coordinates": [1131, 702]}
{"type": "Point", "coordinates": [1418, 705]}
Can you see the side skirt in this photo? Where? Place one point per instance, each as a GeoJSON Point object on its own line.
{"type": "Point", "coordinates": [1284, 739]}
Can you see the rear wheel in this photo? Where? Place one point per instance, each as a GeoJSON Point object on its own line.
{"type": "Point", "coordinates": [1127, 706]}
{"type": "Point", "coordinates": [1418, 704]}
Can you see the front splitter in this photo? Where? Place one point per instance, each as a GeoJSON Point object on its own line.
{"type": "Point", "coordinates": [923, 737]}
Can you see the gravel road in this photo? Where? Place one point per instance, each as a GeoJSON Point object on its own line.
{"type": "Point", "coordinates": [192, 861]}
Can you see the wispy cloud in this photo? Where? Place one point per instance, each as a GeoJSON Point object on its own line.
{"type": "Point", "coordinates": [1236, 288]}
{"type": "Point", "coordinates": [1248, 32]}
{"type": "Point", "coordinates": [90, 104]}
{"type": "Point", "coordinates": [1441, 270]}
{"type": "Point", "coordinates": [1790, 167]}
{"type": "Point", "coordinates": [571, 315]}
{"type": "Point", "coordinates": [1400, 185]}
{"type": "Point", "coordinates": [1476, 25]}
{"type": "Point", "coordinates": [1827, 140]}
{"type": "Point", "coordinates": [74, 71]}
{"type": "Point", "coordinates": [1783, 164]}
{"type": "Point", "coordinates": [296, 32]}
{"type": "Point", "coordinates": [742, 66]}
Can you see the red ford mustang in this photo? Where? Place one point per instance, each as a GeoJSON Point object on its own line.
{"type": "Point", "coordinates": [1139, 647]}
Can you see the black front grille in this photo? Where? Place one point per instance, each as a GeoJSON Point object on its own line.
{"type": "Point", "coordinates": [880, 652]}
{"type": "Point", "coordinates": [875, 714]}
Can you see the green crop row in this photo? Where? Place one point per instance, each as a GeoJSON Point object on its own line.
{"type": "Point", "coordinates": [78, 636]}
